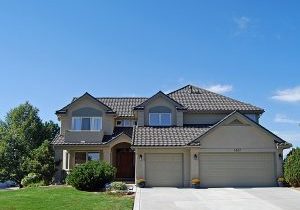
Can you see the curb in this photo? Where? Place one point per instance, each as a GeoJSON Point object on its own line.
{"type": "Point", "coordinates": [137, 199]}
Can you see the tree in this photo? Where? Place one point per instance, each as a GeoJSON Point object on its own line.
{"type": "Point", "coordinates": [292, 168]}
{"type": "Point", "coordinates": [21, 133]}
{"type": "Point", "coordinates": [41, 161]}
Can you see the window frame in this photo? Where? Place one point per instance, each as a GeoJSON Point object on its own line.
{"type": "Point", "coordinates": [86, 156]}
{"type": "Point", "coordinates": [159, 118]}
{"type": "Point", "coordinates": [91, 123]}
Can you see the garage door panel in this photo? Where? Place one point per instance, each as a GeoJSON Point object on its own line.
{"type": "Point", "coordinates": [164, 170]}
{"type": "Point", "coordinates": [237, 169]}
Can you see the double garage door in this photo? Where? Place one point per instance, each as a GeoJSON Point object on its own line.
{"type": "Point", "coordinates": [237, 169]}
{"type": "Point", "coordinates": [215, 169]}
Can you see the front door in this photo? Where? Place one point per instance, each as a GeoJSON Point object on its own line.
{"type": "Point", "coordinates": [125, 163]}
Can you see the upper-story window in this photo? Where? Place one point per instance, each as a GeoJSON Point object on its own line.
{"type": "Point", "coordinates": [125, 123]}
{"type": "Point", "coordinates": [160, 116]}
{"type": "Point", "coordinates": [86, 123]}
{"type": "Point", "coordinates": [159, 119]}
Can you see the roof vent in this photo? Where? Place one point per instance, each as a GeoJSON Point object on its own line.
{"type": "Point", "coordinates": [82, 141]}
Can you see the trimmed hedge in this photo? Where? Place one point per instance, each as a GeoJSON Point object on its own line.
{"type": "Point", "coordinates": [91, 176]}
{"type": "Point", "coordinates": [292, 168]}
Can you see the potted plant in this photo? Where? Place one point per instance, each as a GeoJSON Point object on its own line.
{"type": "Point", "coordinates": [281, 182]}
{"type": "Point", "coordinates": [196, 183]}
{"type": "Point", "coordinates": [141, 183]}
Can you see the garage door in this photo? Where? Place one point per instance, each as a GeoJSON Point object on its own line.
{"type": "Point", "coordinates": [237, 169]}
{"type": "Point", "coordinates": [164, 170]}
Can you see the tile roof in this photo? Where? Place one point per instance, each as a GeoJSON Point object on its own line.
{"type": "Point", "coordinates": [122, 106]}
{"type": "Point", "coordinates": [191, 97]}
{"type": "Point", "coordinates": [167, 136]}
{"type": "Point", "coordinates": [198, 99]}
{"type": "Point", "coordinates": [60, 139]}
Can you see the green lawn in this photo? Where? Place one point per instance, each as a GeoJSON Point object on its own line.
{"type": "Point", "coordinates": [62, 198]}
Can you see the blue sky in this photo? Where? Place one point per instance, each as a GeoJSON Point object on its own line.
{"type": "Point", "coordinates": [249, 50]}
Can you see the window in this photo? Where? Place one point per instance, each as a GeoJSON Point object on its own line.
{"type": "Point", "coordinates": [159, 119]}
{"type": "Point", "coordinates": [83, 157]}
{"type": "Point", "coordinates": [80, 157]}
{"type": "Point", "coordinates": [87, 123]}
{"type": "Point", "coordinates": [127, 123]}
{"type": "Point", "coordinates": [93, 156]}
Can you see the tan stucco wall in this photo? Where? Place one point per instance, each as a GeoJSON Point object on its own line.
{"type": "Point", "coordinates": [140, 164]}
{"type": "Point", "coordinates": [107, 119]}
{"type": "Point", "coordinates": [159, 101]}
{"type": "Point", "coordinates": [247, 138]}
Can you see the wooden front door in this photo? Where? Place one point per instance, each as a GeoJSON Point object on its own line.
{"type": "Point", "coordinates": [125, 163]}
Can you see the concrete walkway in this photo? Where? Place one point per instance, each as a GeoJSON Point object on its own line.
{"type": "Point", "coordinates": [217, 199]}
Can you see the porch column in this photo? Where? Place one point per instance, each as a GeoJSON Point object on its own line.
{"type": "Point", "coordinates": [107, 155]}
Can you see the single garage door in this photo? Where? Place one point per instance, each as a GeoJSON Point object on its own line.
{"type": "Point", "coordinates": [237, 169]}
{"type": "Point", "coordinates": [164, 170]}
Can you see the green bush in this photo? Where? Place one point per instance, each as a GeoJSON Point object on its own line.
{"type": "Point", "coordinates": [118, 186]}
{"type": "Point", "coordinates": [292, 168]}
{"type": "Point", "coordinates": [91, 176]}
{"type": "Point", "coordinates": [31, 178]}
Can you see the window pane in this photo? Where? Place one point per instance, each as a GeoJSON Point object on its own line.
{"type": "Point", "coordinates": [76, 123]}
{"type": "Point", "coordinates": [154, 119]}
{"type": "Point", "coordinates": [127, 123]}
{"type": "Point", "coordinates": [96, 124]}
{"type": "Point", "coordinates": [80, 157]}
{"type": "Point", "coordinates": [165, 119]}
{"type": "Point", "coordinates": [93, 156]}
{"type": "Point", "coordinates": [86, 124]}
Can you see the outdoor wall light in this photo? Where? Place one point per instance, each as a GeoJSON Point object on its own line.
{"type": "Point", "coordinates": [280, 155]}
{"type": "Point", "coordinates": [195, 157]}
{"type": "Point", "coordinates": [141, 157]}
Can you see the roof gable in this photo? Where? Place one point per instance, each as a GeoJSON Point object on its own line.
{"type": "Point", "coordinates": [85, 95]}
{"type": "Point", "coordinates": [244, 120]}
{"type": "Point", "coordinates": [162, 95]}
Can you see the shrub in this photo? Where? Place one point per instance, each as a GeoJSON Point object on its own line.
{"type": "Point", "coordinates": [292, 168]}
{"type": "Point", "coordinates": [91, 176]}
{"type": "Point", "coordinates": [31, 178]}
{"type": "Point", "coordinates": [118, 186]}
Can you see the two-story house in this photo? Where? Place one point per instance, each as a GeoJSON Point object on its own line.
{"type": "Point", "coordinates": [169, 139]}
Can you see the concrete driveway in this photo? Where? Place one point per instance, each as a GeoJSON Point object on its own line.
{"type": "Point", "coordinates": [217, 199]}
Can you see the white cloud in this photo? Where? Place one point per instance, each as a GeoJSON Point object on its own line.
{"type": "Point", "coordinates": [242, 23]}
{"type": "Point", "coordinates": [220, 88]}
{"type": "Point", "coordinates": [281, 118]}
{"type": "Point", "coordinates": [288, 95]}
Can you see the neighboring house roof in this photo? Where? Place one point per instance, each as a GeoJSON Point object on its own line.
{"type": "Point", "coordinates": [201, 100]}
{"type": "Point", "coordinates": [118, 131]}
{"type": "Point", "coordinates": [122, 106]}
{"type": "Point", "coordinates": [160, 94]}
{"type": "Point", "coordinates": [166, 136]}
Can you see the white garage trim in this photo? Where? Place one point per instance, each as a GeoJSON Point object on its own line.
{"type": "Point", "coordinates": [164, 169]}
{"type": "Point", "coordinates": [237, 169]}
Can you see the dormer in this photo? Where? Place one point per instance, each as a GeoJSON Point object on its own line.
{"type": "Point", "coordinates": [86, 114]}
{"type": "Point", "coordinates": [160, 110]}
